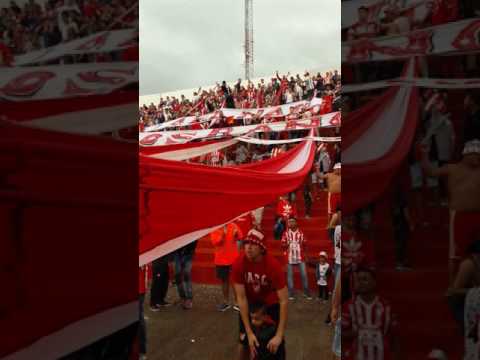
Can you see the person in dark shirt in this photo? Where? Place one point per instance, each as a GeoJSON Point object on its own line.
{"type": "Point", "coordinates": [402, 226]}
{"type": "Point", "coordinates": [264, 329]}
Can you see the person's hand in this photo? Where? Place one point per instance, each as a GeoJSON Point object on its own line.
{"type": "Point", "coordinates": [274, 343]}
{"type": "Point", "coordinates": [253, 344]}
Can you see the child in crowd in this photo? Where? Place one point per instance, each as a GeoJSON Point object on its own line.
{"type": "Point", "coordinates": [322, 273]}
{"type": "Point", "coordinates": [264, 329]}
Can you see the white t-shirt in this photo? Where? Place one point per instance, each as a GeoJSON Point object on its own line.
{"type": "Point", "coordinates": [322, 271]}
{"type": "Point", "coordinates": [337, 237]}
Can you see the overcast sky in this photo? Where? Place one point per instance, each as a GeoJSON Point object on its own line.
{"type": "Point", "coordinates": [188, 43]}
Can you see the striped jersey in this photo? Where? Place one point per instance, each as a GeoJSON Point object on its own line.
{"type": "Point", "coordinates": [294, 242]}
{"type": "Point", "coordinates": [372, 325]}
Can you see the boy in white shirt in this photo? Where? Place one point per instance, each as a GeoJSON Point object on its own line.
{"type": "Point", "coordinates": [322, 273]}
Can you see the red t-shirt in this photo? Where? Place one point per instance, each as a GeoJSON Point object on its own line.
{"type": "Point", "coordinates": [285, 209]}
{"type": "Point", "coordinates": [261, 280]}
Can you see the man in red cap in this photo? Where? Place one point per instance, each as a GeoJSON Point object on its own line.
{"type": "Point", "coordinates": [259, 278]}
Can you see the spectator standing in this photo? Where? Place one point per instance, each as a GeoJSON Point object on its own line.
{"type": "Point", "coordinates": [160, 277]}
{"type": "Point", "coordinates": [294, 244]}
{"type": "Point", "coordinates": [226, 252]}
{"type": "Point", "coordinates": [183, 274]}
{"type": "Point", "coordinates": [403, 226]}
{"type": "Point", "coordinates": [322, 273]}
{"type": "Point", "coordinates": [284, 211]}
{"type": "Point", "coordinates": [472, 121]}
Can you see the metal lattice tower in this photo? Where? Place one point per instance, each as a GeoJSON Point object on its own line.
{"type": "Point", "coordinates": [248, 39]}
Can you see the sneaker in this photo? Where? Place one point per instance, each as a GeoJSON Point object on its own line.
{"type": "Point", "coordinates": [164, 304]}
{"type": "Point", "coordinates": [291, 297]}
{"type": "Point", "coordinates": [154, 308]}
{"type": "Point", "coordinates": [223, 307]}
{"type": "Point", "coordinates": [307, 296]}
{"type": "Point", "coordinates": [187, 304]}
{"type": "Point", "coordinates": [236, 308]}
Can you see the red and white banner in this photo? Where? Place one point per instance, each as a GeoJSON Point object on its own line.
{"type": "Point", "coordinates": [191, 150]}
{"type": "Point", "coordinates": [39, 212]}
{"type": "Point", "coordinates": [194, 194]}
{"type": "Point", "coordinates": [56, 82]}
{"type": "Point", "coordinates": [105, 41]}
{"type": "Point", "coordinates": [419, 82]}
{"type": "Point", "coordinates": [95, 114]}
{"type": "Point", "coordinates": [252, 140]}
{"type": "Point", "coordinates": [375, 141]}
{"type": "Point", "coordinates": [183, 136]}
{"type": "Point", "coordinates": [456, 37]}
{"type": "Point", "coordinates": [417, 10]}
{"type": "Point", "coordinates": [267, 113]}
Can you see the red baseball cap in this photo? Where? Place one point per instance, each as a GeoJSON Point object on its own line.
{"type": "Point", "coordinates": [255, 236]}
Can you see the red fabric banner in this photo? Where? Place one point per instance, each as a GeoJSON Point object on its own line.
{"type": "Point", "coordinates": [376, 140]}
{"type": "Point", "coordinates": [180, 200]}
{"type": "Point", "coordinates": [64, 208]}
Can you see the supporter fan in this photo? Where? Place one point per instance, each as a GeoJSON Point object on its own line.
{"type": "Point", "coordinates": [183, 274]}
{"type": "Point", "coordinates": [467, 278]}
{"type": "Point", "coordinates": [334, 182]}
{"type": "Point", "coordinates": [403, 226]}
{"type": "Point", "coordinates": [258, 277]}
{"type": "Point", "coordinates": [369, 323]}
{"type": "Point", "coordinates": [294, 245]}
{"type": "Point", "coordinates": [142, 329]}
{"type": "Point", "coordinates": [337, 320]}
{"type": "Point", "coordinates": [464, 189]}
{"type": "Point", "coordinates": [285, 210]}
{"type": "Point", "coordinates": [264, 329]}
{"type": "Point", "coordinates": [223, 239]}
{"type": "Point", "coordinates": [322, 273]}
{"type": "Point", "coordinates": [159, 289]}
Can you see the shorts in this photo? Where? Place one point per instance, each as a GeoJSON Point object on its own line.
{"type": "Point", "coordinates": [464, 225]}
{"type": "Point", "coordinates": [223, 272]}
{"type": "Point", "coordinates": [334, 200]}
{"type": "Point", "coordinates": [337, 339]}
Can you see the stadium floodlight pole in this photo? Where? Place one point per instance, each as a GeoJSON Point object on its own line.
{"type": "Point", "coordinates": [248, 39]}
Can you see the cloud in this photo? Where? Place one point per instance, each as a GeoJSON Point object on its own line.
{"type": "Point", "coordinates": [185, 44]}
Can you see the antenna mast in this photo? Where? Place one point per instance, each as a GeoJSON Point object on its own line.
{"type": "Point", "coordinates": [248, 39]}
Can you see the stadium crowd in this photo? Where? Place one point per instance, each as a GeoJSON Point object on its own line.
{"type": "Point", "coordinates": [279, 90]}
{"type": "Point", "coordinates": [395, 18]}
{"type": "Point", "coordinates": [41, 24]}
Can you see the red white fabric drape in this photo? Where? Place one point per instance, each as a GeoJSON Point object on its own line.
{"type": "Point", "coordinates": [375, 141]}
{"type": "Point", "coordinates": [181, 202]}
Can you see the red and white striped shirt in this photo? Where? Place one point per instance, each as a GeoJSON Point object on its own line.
{"type": "Point", "coordinates": [372, 325]}
{"type": "Point", "coordinates": [215, 158]}
{"type": "Point", "coordinates": [294, 242]}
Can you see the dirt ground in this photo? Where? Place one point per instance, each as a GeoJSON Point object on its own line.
{"type": "Point", "coordinates": [203, 333]}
